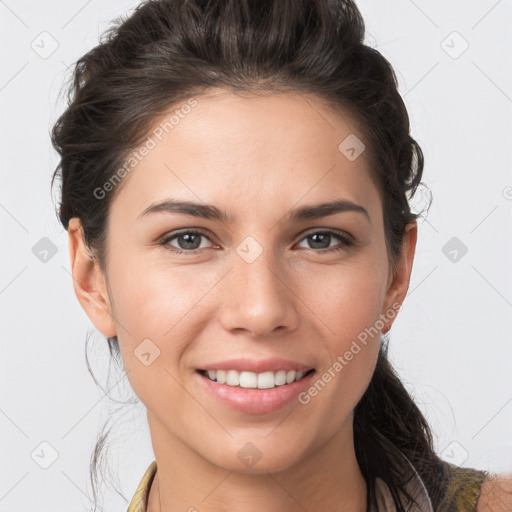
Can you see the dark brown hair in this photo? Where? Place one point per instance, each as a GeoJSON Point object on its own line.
{"type": "Point", "coordinates": [169, 50]}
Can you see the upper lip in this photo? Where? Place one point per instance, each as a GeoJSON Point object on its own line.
{"type": "Point", "coordinates": [258, 365]}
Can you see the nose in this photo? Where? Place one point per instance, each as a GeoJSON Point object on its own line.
{"type": "Point", "coordinates": [258, 298]}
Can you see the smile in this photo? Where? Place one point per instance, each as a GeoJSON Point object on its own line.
{"type": "Point", "coordinates": [255, 393]}
{"type": "Point", "coordinates": [252, 380]}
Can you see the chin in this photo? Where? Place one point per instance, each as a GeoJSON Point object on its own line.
{"type": "Point", "coordinates": [258, 457]}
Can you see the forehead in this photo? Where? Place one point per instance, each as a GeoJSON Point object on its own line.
{"type": "Point", "coordinates": [240, 150]}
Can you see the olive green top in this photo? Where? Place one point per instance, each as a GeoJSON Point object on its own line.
{"type": "Point", "coordinates": [463, 490]}
{"type": "Point", "coordinates": [461, 493]}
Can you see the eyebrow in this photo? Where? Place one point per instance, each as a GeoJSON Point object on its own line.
{"type": "Point", "coordinates": [208, 211]}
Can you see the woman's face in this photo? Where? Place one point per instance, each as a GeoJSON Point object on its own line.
{"type": "Point", "coordinates": [273, 282]}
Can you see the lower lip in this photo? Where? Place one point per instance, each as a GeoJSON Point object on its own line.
{"type": "Point", "coordinates": [256, 401]}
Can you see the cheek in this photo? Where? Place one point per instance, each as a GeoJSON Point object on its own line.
{"type": "Point", "coordinates": [157, 333]}
{"type": "Point", "coordinates": [350, 348]}
{"type": "Point", "coordinates": [348, 300]}
{"type": "Point", "coordinates": [349, 309]}
{"type": "Point", "coordinates": [154, 314]}
{"type": "Point", "coordinates": [157, 301]}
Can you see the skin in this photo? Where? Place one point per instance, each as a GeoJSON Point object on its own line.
{"type": "Point", "coordinates": [496, 494]}
{"type": "Point", "coordinates": [244, 155]}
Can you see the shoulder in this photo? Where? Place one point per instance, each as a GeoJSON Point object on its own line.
{"type": "Point", "coordinates": [496, 494]}
{"type": "Point", "coordinates": [473, 490]}
{"type": "Point", "coordinates": [463, 487]}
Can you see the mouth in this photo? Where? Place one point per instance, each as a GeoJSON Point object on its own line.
{"type": "Point", "coordinates": [255, 393]}
{"type": "Point", "coordinates": [252, 380]}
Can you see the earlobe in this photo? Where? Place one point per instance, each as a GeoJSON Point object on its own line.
{"type": "Point", "coordinates": [89, 281]}
{"type": "Point", "coordinates": [399, 281]}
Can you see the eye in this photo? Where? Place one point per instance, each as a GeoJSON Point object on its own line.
{"type": "Point", "coordinates": [189, 242]}
{"type": "Point", "coordinates": [321, 240]}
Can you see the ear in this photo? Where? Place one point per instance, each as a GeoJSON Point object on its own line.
{"type": "Point", "coordinates": [398, 282]}
{"type": "Point", "coordinates": [89, 281]}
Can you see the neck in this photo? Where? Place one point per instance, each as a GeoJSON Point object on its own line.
{"type": "Point", "coordinates": [327, 478]}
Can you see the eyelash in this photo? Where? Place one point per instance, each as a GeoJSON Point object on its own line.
{"type": "Point", "coordinates": [344, 240]}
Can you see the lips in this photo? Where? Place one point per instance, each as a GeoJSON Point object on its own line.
{"type": "Point", "coordinates": [255, 401]}
{"type": "Point", "coordinates": [255, 386]}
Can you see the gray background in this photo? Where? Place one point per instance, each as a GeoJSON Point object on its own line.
{"type": "Point", "coordinates": [451, 342]}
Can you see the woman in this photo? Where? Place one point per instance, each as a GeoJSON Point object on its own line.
{"type": "Point", "coordinates": [235, 185]}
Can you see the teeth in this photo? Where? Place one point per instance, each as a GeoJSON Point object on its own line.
{"type": "Point", "coordinates": [280, 377]}
{"type": "Point", "coordinates": [232, 378]}
{"type": "Point", "coordinates": [265, 380]}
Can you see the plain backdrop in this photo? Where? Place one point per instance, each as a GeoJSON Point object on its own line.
{"type": "Point", "coordinates": [451, 342]}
